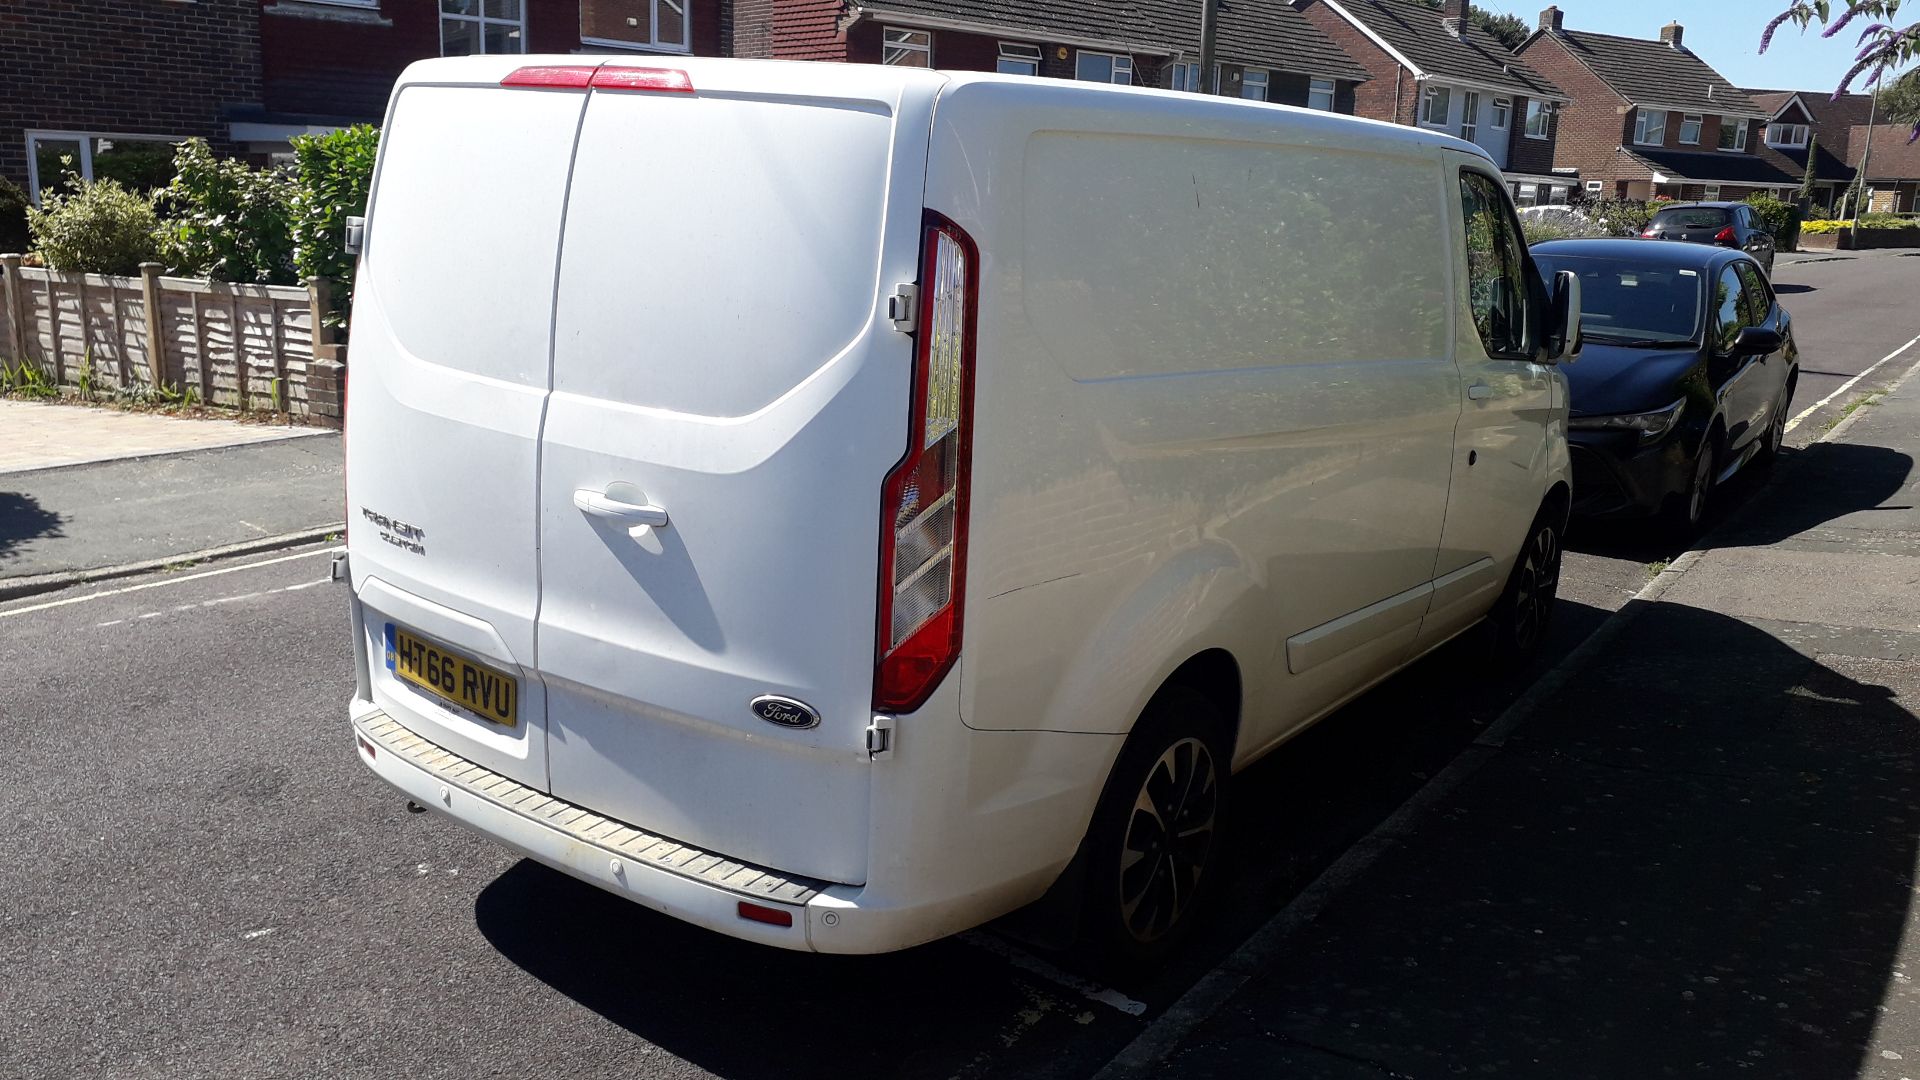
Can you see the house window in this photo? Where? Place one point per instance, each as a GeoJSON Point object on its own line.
{"type": "Point", "coordinates": [1539, 120]}
{"type": "Point", "coordinates": [661, 25]}
{"type": "Point", "coordinates": [1253, 84]}
{"type": "Point", "coordinates": [1320, 94]}
{"type": "Point", "coordinates": [1502, 113]}
{"type": "Point", "coordinates": [141, 163]}
{"type": "Point", "coordinates": [1103, 67]}
{"type": "Point", "coordinates": [1017, 59]}
{"type": "Point", "coordinates": [1435, 105]}
{"type": "Point", "coordinates": [1595, 187]}
{"type": "Point", "coordinates": [1690, 126]}
{"type": "Point", "coordinates": [1712, 193]}
{"type": "Point", "coordinates": [1733, 135]}
{"type": "Point", "coordinates": [1187, 77]}
{"type": "Point", "coordinates": [1787, 136]}
{"type": "Point", "coordinates": [1557, 195]}
{"type": "Point", "coordinates": [470, 27]}
{"type": "Point", "coordinates": [1470, 115]}
{"type": "Point", "coordinates": [1527, 194]}
{"type": "Point", "coordinates": [1650, 128]}
{"type": "Point", "coordinates": [1496, 267]}
{"type": "Point", "coordinates": [906, 48]}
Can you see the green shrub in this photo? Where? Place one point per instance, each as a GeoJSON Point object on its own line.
{"type": "Point", "coordinates": [13, 218]}
{"type": "Point", "coordinates": [1539, 230]}
{"type": "Point", "coordinates": [94, 228]}
{"type": "Point", "coordinates": [1782, 219]}
{"type": "Point", "coordinates": [1619, 217]}
{"type": "Point", "coordinates": [335, 172]}
{"type": "Point", "coordinates": [1867, 221]}
{"type": "Point", "coordinates": [227, 221]}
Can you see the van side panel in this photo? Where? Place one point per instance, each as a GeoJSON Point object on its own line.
{"type": "Point", "coordinates": [1215, 403]}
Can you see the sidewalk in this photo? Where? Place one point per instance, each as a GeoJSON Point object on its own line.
{"type": "Point", "coordinates": [1697, 857]}
{"type": "Point", "coordinates": [42, 436]}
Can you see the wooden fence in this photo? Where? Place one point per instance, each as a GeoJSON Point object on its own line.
{"type": "Point", "coordinates": [249, 347]}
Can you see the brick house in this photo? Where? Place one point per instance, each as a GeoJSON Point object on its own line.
{"type": "Point", "coordinates": [1799, 123]}
{"type": "Point", "coordinates": [1893, 169]}
{"type": "Point", "coordinates": [1650, 118]}
{"type": "Point", "coordinates": [103, 88]}
{"type": "Point", "coordinates": [1265, 50]}
{"type": "Point", "coordinates": [1432, 68]}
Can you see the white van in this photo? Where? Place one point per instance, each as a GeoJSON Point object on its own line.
{"type": "Point", "coordinates": [835, 504]}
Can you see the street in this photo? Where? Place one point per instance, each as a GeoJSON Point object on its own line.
{"type": "Point", "coordinates": [203, 880]}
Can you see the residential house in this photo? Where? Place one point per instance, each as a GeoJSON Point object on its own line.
{"type": "Point", "coordinates": [1892, 166]}
{"type": "Point", "coordinates": [1434, 69]}
{"type": "Point", "coordinates": [1649, 118]}
{"type": "Point", "coordinates": [1264, 49]}
{"type": "Point", "coordinates": [1802, 123]}
{"type": "Point", "coordinates": [104, 88]}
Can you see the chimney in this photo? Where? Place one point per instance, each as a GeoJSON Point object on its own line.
{"type": "Point", "coordinates": [1455, 16]}
{"type": "Point", "coordinates": [1674, 35]}
{"type": "Point", "coordinates": [1553, 20]}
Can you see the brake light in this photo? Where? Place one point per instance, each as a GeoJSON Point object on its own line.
{"type": "Point", "coordinates": [923, 535]}
{"type": "Point", "coordinates": [563, 77]}
{"type": "Point", "coordinates": [1650, 234]}
{"type": "Point", "coordinates": [1724, 236]}
{"type": "Point", "coordinates": [663, 80]}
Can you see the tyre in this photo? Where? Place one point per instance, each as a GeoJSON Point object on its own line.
{"type": "Point", "coordinates": [1153, 845]}
{"type": "Point", "coordinates": [1777, 431]}
{"type": "Point", "coordinates": [1524, 612]}
{"type": "Point", "coordinates": [1688, 509]}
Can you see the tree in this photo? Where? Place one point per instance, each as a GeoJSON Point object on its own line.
{"type": "Point", "coordinates": [1900, 101]}
{"type": "Point", "coordinates": [1806, 182]}
{"type": "Point", "coordinates": [1508, 30]}
{"type": "Point", "coordinates": [1884, 45]}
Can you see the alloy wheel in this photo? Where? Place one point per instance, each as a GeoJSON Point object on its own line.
{"type": "Point", "coordinates": [1535, 586]}
{"type": "Point", "coordinates": [1168, 838]}
{"type": "Point", "coordinates": [1701, 486]}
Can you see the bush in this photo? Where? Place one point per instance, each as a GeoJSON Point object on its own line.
{"type": "Point", "coordinates": [227, 221]}
{"type": "Point", "coordinates": [334, 172]}
{"type": "Point", "coordinates": [1619, 217]}
{"type": "Point", "coordinates": [1781, 219]}
{"type": "Point", "coordinates": [1867, 221]}
{"type": "Point", "coordinates": [13, 218]}
{"type": "Point", "coordinates": [94, 228]}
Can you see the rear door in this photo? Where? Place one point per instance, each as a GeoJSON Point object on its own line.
{"type": "Point", "coordinates": [729, 394]}
{"type": "Point", "coordinates": [449, 353]}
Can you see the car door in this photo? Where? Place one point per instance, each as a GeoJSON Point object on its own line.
{"type": "Point", "coordinates": [1738, 381]}
{"type": "Point", "coordinates": [1501, 448]}
{"type": "Point", "coordinates": [1770, 371]}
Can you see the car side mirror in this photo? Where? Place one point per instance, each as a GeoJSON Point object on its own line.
{"type": "Point", "coordinates": [1756, 341]}
{"type": "Point", "coordinates": [1563, 322]}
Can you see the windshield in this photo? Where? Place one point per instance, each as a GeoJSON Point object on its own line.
{"type": "Point", "coordinates": [1691, 217]}
{"type": "Point", "coordinates": [1623, 302]}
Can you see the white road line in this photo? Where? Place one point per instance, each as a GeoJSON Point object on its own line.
{"type": "Point", "coordinates": [1033, 965]}
{"type": "Point", "coordinates": [163, 583]}
{"type": "Point", "coordinates": [1849, 384]}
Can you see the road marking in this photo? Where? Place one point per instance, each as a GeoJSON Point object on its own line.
{"type": "Point", "coordinates": [1849, 384]}
{"type": "Point", "coordinates": [162, 583]}
{"type": "Point", "coordinates": [1033, 965]}
{"type": "Point", "coordinates": [176, 609]}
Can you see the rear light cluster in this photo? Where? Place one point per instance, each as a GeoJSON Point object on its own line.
{"type": "Point", "coordinates": [580, 77]}
{"type": "Point", "coordinates": [923, 537]}
{"type": "Point", "coordinates": [1650, 233]}
{"type": "Point", "coordinates": [1724, 236]}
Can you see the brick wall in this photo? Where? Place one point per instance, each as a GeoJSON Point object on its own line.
{"type": "Point", "coordinates": [1530, 155]}
{"type": "Point", "coordinates": [133, 67]}
{"type": "Point", "coordinates": [1391, 94]}
{"type": "Point", "coordinates": [1593, 127]}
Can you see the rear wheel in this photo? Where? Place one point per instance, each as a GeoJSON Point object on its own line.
{"type": "Point", "coordinates": [1525, 609]}
{"type": "Point", "coordinates": [1153, 842]}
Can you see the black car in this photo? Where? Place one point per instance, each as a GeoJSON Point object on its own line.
{"type": "Point", "coordinates": [1724, 224]}
{"type": "Point", "coordinates": [1687, 376]}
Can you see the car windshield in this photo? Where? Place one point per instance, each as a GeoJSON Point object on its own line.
{"type": "Point", "coordinates": [1623, 302]}
{"type": "Point", "coordinates": [1691, 217]}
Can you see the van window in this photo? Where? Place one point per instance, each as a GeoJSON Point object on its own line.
{"type": "Point", "coordinates": [1496, 266]}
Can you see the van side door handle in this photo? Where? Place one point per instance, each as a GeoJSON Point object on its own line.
{"type": "Point", "coordinates": [1479, 392]}
{"type": "Point", "coordinates": [631, 515]}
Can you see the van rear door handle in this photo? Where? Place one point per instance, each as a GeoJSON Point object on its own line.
{"type": "Point", "coordinates": [632, 515]}
{"type": "Point", "coordinates": [1479, 392]}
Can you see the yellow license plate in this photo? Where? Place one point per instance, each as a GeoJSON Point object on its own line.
{"type": "Point", "coordinates": [486, 692]}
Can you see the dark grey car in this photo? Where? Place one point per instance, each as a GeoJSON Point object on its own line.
{"type": "Point", "coordinates": [1724, 224]}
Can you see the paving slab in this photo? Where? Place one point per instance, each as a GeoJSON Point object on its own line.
{"type": "Point", "coordinates": [37, 435]}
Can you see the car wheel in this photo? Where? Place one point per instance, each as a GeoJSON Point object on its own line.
{"type": "Point", "coordinates": [1689, 507]}
{"type": "Point", "coordinates": [1525, 610]}
{"type": "Point", "coordinates": [1153, 844]}
{"type": "Point", "coordinates": [1777, 431]}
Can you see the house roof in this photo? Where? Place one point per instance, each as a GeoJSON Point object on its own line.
{"type": "Point", "coordinates": [1655, 73]}
{"type": "Point", "coordinates": [1895, 155]}
{"type": "Point", "coordinates": [1711, 166]}
{"type": "Point", "coordinates": [1414, 30]}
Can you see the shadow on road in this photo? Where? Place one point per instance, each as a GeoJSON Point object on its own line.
{"type": "Point", "coordinates": [22, 519]}
{"type": "Point", "coordinates": [1786, 289]}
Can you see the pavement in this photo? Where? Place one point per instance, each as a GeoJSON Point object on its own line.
{"type": "Point", "coordinates": [44, 436]}
{"type": "Point", "coordinates": [1695, 855]}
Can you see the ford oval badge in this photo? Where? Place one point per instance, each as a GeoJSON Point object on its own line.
{"type": "Point", "coordinates": [785, 711]}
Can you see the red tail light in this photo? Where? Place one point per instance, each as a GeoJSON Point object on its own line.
{"type": "Point", "coordinates": [664, 80]}
{"type": "Point", "coordinates": [1724, 236]}
{"type": "Point", "coordinates": [1650, 234]}
{"type": "Point", "coordinates": [923, 535]}
{"type": "Point", "coordinates": [569, 77]}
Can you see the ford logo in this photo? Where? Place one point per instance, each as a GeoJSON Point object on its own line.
{"type": "Point", "coordinates": [785, 711]}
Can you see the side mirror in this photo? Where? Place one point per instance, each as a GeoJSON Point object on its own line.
{"type": "Point", "coordinates": [1756, 341]}
{"type": "Point", "coordinates": [1563, 320]}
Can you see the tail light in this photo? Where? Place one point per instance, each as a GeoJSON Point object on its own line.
{"type": "Point", "coordinates": [923, 535]}
{"type": "Point", "coordinates": [1725, 236]}
{"type": "Point", "coordinates": [551, 77]}
{"type": "Point", "coordinates": [1650, 234]}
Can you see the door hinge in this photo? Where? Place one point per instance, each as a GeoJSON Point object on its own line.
{"type": "Point", "coordinates": [880, 738]}
{"type": "Point", "coordinates": [903, 307]}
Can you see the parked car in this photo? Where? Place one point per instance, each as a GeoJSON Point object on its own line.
{"type": "Point", "coordinates": [808, 515]}
{"type": "Point", "coordinates": [1725, 224]}
{"type": "Point", "coordinates": [1687, 375]}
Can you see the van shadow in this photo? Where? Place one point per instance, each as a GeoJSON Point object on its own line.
{"type": "Point", "coordinates": [1698, 856]}
{"type": "Point", "coordinates": [23, 519]}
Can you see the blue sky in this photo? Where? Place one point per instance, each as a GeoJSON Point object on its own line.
{"type": "Point", "coordinates": [1724, 33]}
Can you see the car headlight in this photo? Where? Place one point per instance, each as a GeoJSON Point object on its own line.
{"type": "Point", "coordinates": [1650, 425]}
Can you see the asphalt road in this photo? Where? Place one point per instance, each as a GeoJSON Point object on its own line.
{"type": "Point", "coordinates": [201, 879]}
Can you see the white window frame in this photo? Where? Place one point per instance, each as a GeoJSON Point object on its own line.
{"type": "Point", "coordinates": [1559, 195]}
{"type": "Point", "coordinates": [1595, 187]}
{"type": "Point", "coordinates": [1428, 97]}
{"type": "Point", "coordinates": [1711, 193]}
{"type": "Point", "coordinates": [1526, 194]}
{"type": "Point", "coordinates": [653, 42]}
{"type": "Point", "coordinates": [1470, 115]}
{"type": "Point", "coordinates": [1644, 127]}
{"type": "Point", "coordinates": [1740, 140]}
{"type": "Point", "coordinates": [480, 23]}
{"type": "Point", "coordinates": [1328, 88]}
{"type": "Point", "coordinates": [1540, 109]}
{"type": "Point", "coordinates": [1016, 52]}
{"type": "Point", "coordinates": [904, 43]}
{"type": "Point", "coordinates": [1502, 113]}
{"type": "Point", "coordinates": [1118, 62]}
{"type": "Point", "coordinates": [1260, 77]}
{"type": "Point", "coordinates": [35, 182]}
{"type": "Point", "coordinates": [1797, 136]}
{"type": "Point", "coordinates": [1696, 121]}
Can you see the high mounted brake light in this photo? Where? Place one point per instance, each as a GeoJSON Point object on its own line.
{"type": "Point", "coordinates": [660, 80]}
{"type": "Point", "coordinates": [923, 533]}
{"type": "Point", "coordinates": [568, 77]}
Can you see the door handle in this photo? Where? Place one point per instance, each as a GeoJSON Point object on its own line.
{"type": "Point", "coordinates": [1479, 392]}
{"type": "Point", "coordinates": [635, 517]}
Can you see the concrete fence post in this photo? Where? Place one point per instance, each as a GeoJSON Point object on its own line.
{"type": "Point", "coordinates": [320, 305]}
{"type": "Point", "coordinates": [16, 322]}
{"type": "Point", "coordinates": [156, 339]}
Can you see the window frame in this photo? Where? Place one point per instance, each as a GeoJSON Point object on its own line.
{"type": "Point", "coordinates": [1543, 110]}
{"type": "Point", "coordinates": [1740, 141]}
{"type": "Point", "coordinates": [36, 183]}
{"type": "Point", "coordinates": [1719, 340]}
{"type": "Point", "coordinates": [654, 44]}
{"type": "Point", "coordinates": [889, 44]}
{"type": "Point", "coordinates": [1805, 130]}
{"type": "Point", "coordinates": [1470, 115]}
{"type": "Point", "coordinates": [1016, 57]}
{"type": "Point", "coordinates": [1264, 81]}
{"type": "Point", "coordinates": [1502, 114]}
{"type": "Point", "coordinates": [1758, 291]}
{"type": "Point", "coordinates": [1332, 93]}
{"type": "Point", "coordinates": [1595, 187]}
{"type": "Point", "coordinates": [1428, 96]}
{"type": "Point", "coordinates": [483, 20]}
{"type": "Point", "coordinates": [1710, 193]}
{"type": "Point", "coordinates": [1643, 126]}
{"type": "Point", "coordinates": [1517, 239]}
{"type": "Point", "coordinates": [1698, 121]}
{"type": "Point", "coordinates": [1115, 60]}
